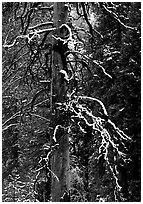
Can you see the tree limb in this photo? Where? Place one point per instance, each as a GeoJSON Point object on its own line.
{"type": "Point", "coordinates": [8, 126]}
{"type": "Point", "coordinates": [12, 117]}
{"type": "Point", "coordinates": [117, 18]}
{"type": "Point", "coordinates": [39, 116]}
{"type": "Point", "coordinates": [97, 100]}
{"type": "Point", "coordinates": [91, 30]}
{"type": "Point", "coordinates": [94, 61]}
{"type": "Point", "coordinates": [41, 24]}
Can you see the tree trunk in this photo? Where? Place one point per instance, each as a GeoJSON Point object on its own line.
{"type": "Point", "coordinates": [60, 157]}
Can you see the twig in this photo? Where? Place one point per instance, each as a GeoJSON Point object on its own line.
{"type": "Point", "coordinates": [41, 117]}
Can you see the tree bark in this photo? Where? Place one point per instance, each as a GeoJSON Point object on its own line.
{"type": "Point", "coordinates": [60, 157]}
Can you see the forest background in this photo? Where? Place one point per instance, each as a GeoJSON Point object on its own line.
{"type": "Point", "coordinates": [71, 101]}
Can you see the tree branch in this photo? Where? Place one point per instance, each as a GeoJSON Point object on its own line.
{"type": "Point", "coordinates": [8, 126]}
{"type": "Point", "coordinates": [12, 117]}
{"type": "Point", "coordinates": [50, 8]}
{"type": "Point", "coordinates": [97, 100]}
{"type": "Point", "coordinates": [41, 24]}
{"type": "Point", "coordinates": [91, 30]}
{"type": "Point", "coordinates": [39, 116]}
{"type": "Point", "coordinates": [117, 18]}
{"type": "Point", "coordinates": [94, 61]}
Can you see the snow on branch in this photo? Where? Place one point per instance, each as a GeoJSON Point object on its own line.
{"type": "Point", "coordinates": [121, 133]}
{"type": "Point", "coordinates": [91, 29]}
{"type": "Point", "coordinates": [67, 38]}
{"type": "Point", "coordinates": [107, 138]}
{"type": "Point", "coordinates": [9, 126]}
{"type": "Point", "coordinates": [29, 36]}
{"type": "Point", "coordinates": [46, 7]}
{"type": "Point", "coordinates": [15, 40]}
{"type": "Point", "coordinates": [103, 69]}
{"type": "Point", "coordinates": [53, 174]}
{"type": "Point", "coordinates": [66, 77]}
{"type": "Point", "coordinates": [12, 117]}
{"type": "Point", "coordinates": [39, 116]}
{"type": "Point", "coordinates": [36, 33]}
{"type": "Point", "coordinates": [55, 131]}
{"type": "Point", "coordinates": [88, 58]}
{"type": "Point", "coordinates": [97, 100]}
{"type": "Point", "coordinates": [117, 18]}
{"type": "Point", "coordinates": [49, 23]}
{"type": "Point", "coordinates": [117, 130]}
{"type": "Point", "coordinates": [38, 104]}
{"type": "Point", "coordinates": [44, 161]}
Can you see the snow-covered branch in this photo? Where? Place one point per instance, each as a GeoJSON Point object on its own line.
{"type": "Point", "coordinates": [56, 129]}
{"type": "Point", "coordinates": [36, 33]}
{"type": "Point", "coordinates": [103, 69]}
{"type": "Point", "coordinates": [121, 133]}
{"type": "Point", "coordinates": [97, 100]}
{"type": "Point", "coordinates": [49, 23]}
{"type": "Point", "coordinates": [12, 117]}
{"type": "Point", "coordinates": [15, 41]}
{"type": "Point", "coordinates": [89, 59]}
{"type": "Point", "coordinates": [38, 104]}
{"type": "Point", "coordinates": [68, 37]}
{"type": "Point", "coordinates": [91, 29]}
{"type": "Point", "coordinates": [39, 116]}
{"type": "Point", "coordinates": [46, 7]}
{"type": "Point", "coordinates": [84, 118]}
{"type": "Point", "coordinates": [29, 36]}
{"type": "Point", "coordinates": [9, 126]}
{"type": "Point", "coordinates": [117, 18]}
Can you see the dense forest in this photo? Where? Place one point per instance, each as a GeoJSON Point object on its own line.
{"type": "Point", "coordinates": [71, 101]}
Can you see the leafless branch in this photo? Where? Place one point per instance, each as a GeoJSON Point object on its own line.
{"type": "Point", "coordinates": [97, 100]}
{"type": "Point", "coordinates": [12, 117]}
{"type": "Point", "coordinates": [94, 61]}
{"type": "Point", "coordinates": [66, 38]}
{"type": "Point", "coordinates": [39, 116]}
{"type": "Point", "coordinates": [15, 40]}
{"type": "Point", "coordinates": [8, 126]}
{"type": "Point", "coordinates": [29, 36]}
{"type": "Point", "coordinates": [91, 30]}
{"type": "Point", "coordinates": [117, 18]}
{"type": "Point", "coordinates": [41, 24]}
{"type": "Point", "coordinates": [46, 7]}
{"type": "Point", "coordinates": [41, 102]}
{"type": "Point", "coordinates": [121, 133]}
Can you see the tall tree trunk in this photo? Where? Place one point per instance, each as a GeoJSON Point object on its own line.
{"type": "Point", "coordinates": [60, 157]}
